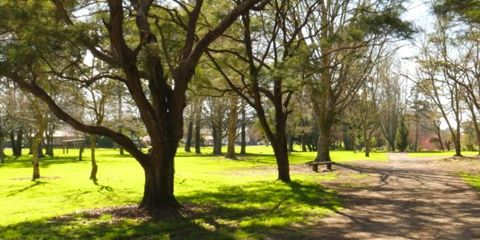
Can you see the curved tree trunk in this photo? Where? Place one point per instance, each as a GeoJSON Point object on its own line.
{"type": "Point", "coordinates": [93, 146]}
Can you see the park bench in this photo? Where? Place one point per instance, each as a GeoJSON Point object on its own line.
{"type": "Point", "coordinates": [315, 164]}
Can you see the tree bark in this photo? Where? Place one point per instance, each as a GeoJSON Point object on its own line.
{"type": "Point", "coordinates": [159, 178]}
{"type": "Point", "coordinates": [280, 148]}
{"type": "Point", "coordinates": [16, 143]}
{"type": "Point", "coordinates": [232, 127]}
{"type": "Point", "coordinates": [2, 147]}
{"type": "Point", "coordinates": [217, 139]}
{"type": "Point", "coordinates": [37, 140]}
{"type": "Point", "coordinates": [198, 126]}
{"type": "Point", "coordinates": [188, 141]}
{"type": "Point", "coordinates": [197, 137]}
{"type": "Point", "coordinates": [323, 144]}
{"type": "Point", "coordinates": [49, 141]}
{"type": "Point", "coordinates": [80, 150]}
{"type": "Point", "coordinates": [93, 146]}
{"type": "Point", "coordinates": [35, 156]}
{"type": "Point", "coordinates": [243, 133]}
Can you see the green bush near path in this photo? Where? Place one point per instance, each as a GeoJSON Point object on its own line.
{"type": "Point", "coordinates": [233, 199]}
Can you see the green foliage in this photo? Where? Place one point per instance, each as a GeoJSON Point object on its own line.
{"type": "Point", "coordinates": [385, 22]}
{"type": "Point", "coordinates": [467, 10]}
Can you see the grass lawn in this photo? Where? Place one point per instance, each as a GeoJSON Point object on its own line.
{"type": "Point", "coordinates": [232, 199]}
{"type": "Point", "coordinates": [441, 153]}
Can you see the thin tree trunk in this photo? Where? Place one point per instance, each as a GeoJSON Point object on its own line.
{"type": "Point", "coordinates": [198, 126]}
{"type": "Point", "coordinates": [2, 147]}
{"type": "Point", "coordinates": [243, 133]}
{"type": "Point", "coordinates": [367, 142]}
{"type": "Point", "coordinates": [49, 142]}
{"type": "Point", "coordinates": [37, 141]}
{"type": "Point", "coordinates": [232, 127]}
{"type": "Point", "coordinates": [93, 146]}
{"type": "Point", "coordinates": [217, 140]}
{"type": "Point", "coordinates": [35, 156]}
{"type": "Point", "coordinates": [188, 141]}
{"type": "Point", "coordinates": [80, 151]}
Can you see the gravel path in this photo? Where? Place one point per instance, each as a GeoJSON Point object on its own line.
{"type": "Point", "coordinates": [407, 199]}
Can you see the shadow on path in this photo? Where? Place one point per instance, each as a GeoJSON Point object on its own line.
{"type": "Point", "coordinates": [409, 199]}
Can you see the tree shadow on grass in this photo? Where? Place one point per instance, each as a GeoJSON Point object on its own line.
{"type": "Point", "coordinates": [255, 211]}
{"type": "Point", "coordinates": [26, 161]}
{"type": "Point", "coordinates": [18, 191]}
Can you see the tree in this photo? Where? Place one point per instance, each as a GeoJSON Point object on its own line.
{"type": "Point", "coordinates": [142, 52]}
{"type": "Point", "coordinates": [272, 58]}
{"type": "Point", "coordinates": [402, 136]}
{"type": "Point", "coordinates": [232, 126]}
{"type": "Point", "coordinates": [438, 78]}
{"type": "Point", "coordinates": [349, 43]}
{"type": "Point", "coordinates": [40, 126]}
{"type": "Point", "coordinates": [467, 10]}
{"type": "Point", "coordinates": [215, 112]}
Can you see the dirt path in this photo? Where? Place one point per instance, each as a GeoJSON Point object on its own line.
{"type": "Point", "coordinates": [408, 199]}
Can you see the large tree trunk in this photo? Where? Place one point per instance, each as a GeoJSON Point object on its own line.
{"type": "Point", "coordinates": [159, 179]}
{"type": "Point", "coordinates": [280, 148]}
{"type": "Point", "coordinates": [188, 141]}
{"type": "Point", "coordinates": [281, 156]}
{"type": "Point", "coordinates": [323, 144]}
{"type": "Point", "coordinates": [232, 127]}
{"type": "Point", "coordinates": [457, 144]}
{"type": "Point", "coordinates": [93, 146]}
{"type": "Point", "coordinates": [243, 133]}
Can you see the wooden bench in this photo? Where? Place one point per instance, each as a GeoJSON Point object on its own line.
{"type": "Point", "coordinates": [315, 164]}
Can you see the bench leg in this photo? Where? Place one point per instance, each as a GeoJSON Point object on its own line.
{"type": "Point", "coordinates": [315, 168]}
{"type": "Point", "coordinates": [329, 166]}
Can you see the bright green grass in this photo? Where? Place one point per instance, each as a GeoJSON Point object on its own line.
{"type": "Point", "coordinates": [472, 180]}
{"type": "Point", "coordinates": [441, 153]}
{"type": "Point", "coordinates": [242, 197]}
